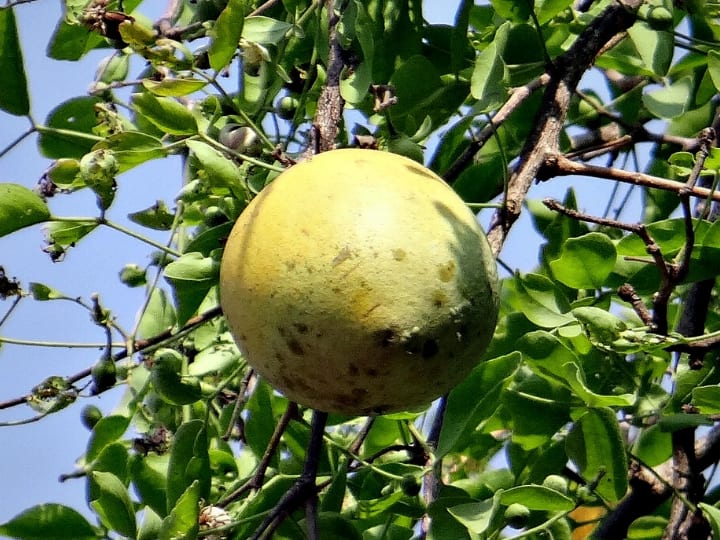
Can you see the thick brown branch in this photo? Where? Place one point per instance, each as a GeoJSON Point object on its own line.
{"type": "Point", "coordinates": [544, 139]}
{"type": "Point", "coordinates": [330, 103]}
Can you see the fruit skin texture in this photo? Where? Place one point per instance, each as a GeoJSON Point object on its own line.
{"type": "Point", "coordinates": [358, 282]}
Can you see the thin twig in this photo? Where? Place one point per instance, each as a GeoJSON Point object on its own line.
{"type": "Point", "coordinates": [517, 97]}
{"type": "Point", "coordinates": [559, 165]}
{"type": "Point", "coordinates": [257, 479]}
{"type": "Point", "coordinates": [303, 489]}
{"type": "Point", "coordinates": [141, 345]}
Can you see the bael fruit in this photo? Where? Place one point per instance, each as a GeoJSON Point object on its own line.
{"type": "Point", "coordinates": [358, 282]}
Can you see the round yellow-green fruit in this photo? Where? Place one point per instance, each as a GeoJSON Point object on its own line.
{"type": "Point", "coordinates": [358, 282]}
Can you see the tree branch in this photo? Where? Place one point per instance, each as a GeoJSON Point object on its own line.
{"type": "Point", "coordinates": [565, 75]}
{"type": "Point", "coordinates": [518, 96]}
{"type": "Point", "coordinates": [559, 165]}
{"type": "Point", "coordinates": [330, 103]}
{"type": "Point", "coordinates": [140, 346]}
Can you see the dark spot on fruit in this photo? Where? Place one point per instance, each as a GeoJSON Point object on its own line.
{"type": "Point", "coordinates": [399, 254]}
{"type": "Point", "coordinates": [280, 358]}
{"type": "Point", "coordinates": [301, 327]}
{"type": "Point", "coordinates": [371, 372]}
{"type": "Point", "coordinates": [446, 271]}
{"type": "Point", "coordinates": [386, 336]}
{"type": "Point", "coordinates": [281, 331]}
{"type": "Point", "coordinates": [430, 348]}
{"type": "Point", "coordinates": [287, 383]}
{"type": "Point", "coordinates": [353, 369]}
{"type": "Point", "coordinates": [418, 169]}
{"type": "Point", "coordinates": [438, 298]}
{"type": "Point", "coordinates": [295, 347]}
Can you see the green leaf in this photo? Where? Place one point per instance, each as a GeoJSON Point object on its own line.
{"type": "Point", "coordinates": [210, 239]}
{"type": "Point", "coordinates": [14, 97]}
{"type": "Point", "coordinates": [671, 101]}
{"type": "Point", "coordinates": [653, 446]}
{"type": "Point", "coordinates": [487, 83]}
{"type": "Point", "coordinates": [260, 424]}
{"type": "Point", "coordinates": [66, 233]}
{"type": "Point", "coordinates": [111, 500]}
{"type": "Point", "coordinates": [596, 447]}
{"type": "Point", "coordinates": [159, 315]}
{"type": "Point", "coordinates": [170, 87]}
{"type": "Point", "coordinates": [165, 114]}
{"type": "Point", "coordinates": [76, 118]}
{"type": "Point", "coordinates": [192, 276]}
{"type": "Point", "coordinates": [713, 65]}
{"type": "Point", "coordinates": [71, 41]}
{"type": "Point", "coordinates": [151, 526]}
{"type": "Point", "coordinates": [477, 516]}
{"type": "Point", "coordinates": [226, 34]}
{"type": "Point", "coordinates": [108, 430]}
{"type": "Point", "coordinates": [537, 498]}
{"type": "Point", "coordinates": [545, 10]}
{"type": "Point", "coordinates": [149, 474]}
{"type": "Point", "coordinates": [539, 299]}
{"type": "Point", "coordinates": [707, 399]}
{"type": "Point", "coordinates": [157, 217]}
{"type": "Point", "coordinates": [512, 10]}
{"type": "Point", "coordinates": [548, 400]}
{"type": "Point", "coordinates": [416, 83]}
{"type": "Point", "coordinates": [35, 524]}
{"type": "Point", "coordinates": [575, 379]}
{"type": "Point", "coordinates": [474, 400]}
{"type": "Point", "coordinates": [585, 262]}
{"type": "Point", "coordinates": [189, 463]}
{"type": "Point", "coordinates": [132, 148]}
{"type": "Point", "coordinates": [42, 293]}
{"type": "Point", "coordinates": [182, 522]}
{"type": "Point", "coordinates": [354, 88]}
{"type": "Point", "coordinates": [647, 528]}
{"type": "Point", "coordinates": [712, 514]}
{"type": "Point", "coordinates": [113, 459]}
{"type": "Point", "coordinates": [20, 207]}
{"type": "Point", "coordinates": [655, 48]}
{"type": "Point", "coordinates": [218, 358]}
{"type": "Point", "coordinates": [259, 29]}
{"type": "Point", "coordinates": [219, 170]}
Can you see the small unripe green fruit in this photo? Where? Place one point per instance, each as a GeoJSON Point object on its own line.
{"type": "Point", "coordinates": [410, 485]}
{"type": "Point", "coordinates": [287, 107]}
{"type": "Point", "coordinates": [358, 282]}
{"type": "Point", "coordinates": [90, 415]}
{"type": "Point", "coordinates": [517, 515]}
{"type": "Point", "coordinates": [133, 276]}
{"type": "Point", "coordinates": [660, 18]}
{"type": "Point", "coordinates": [242, 139]}
{"type": "Point", "coordinates": [556, 482]}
